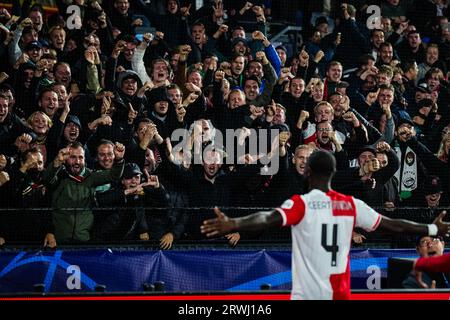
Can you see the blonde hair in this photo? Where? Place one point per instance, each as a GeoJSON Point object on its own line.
{"type": "Point", "coordinates": [34, 114]}
{"type": "Point", "coordinates": [56, 28]}
{"type": "Point", "coordinates": [304, 147]}
{"type": "Point", "coordinates": [323, 103]}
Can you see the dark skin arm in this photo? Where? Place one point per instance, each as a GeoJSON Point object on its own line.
{"type": "Point", "coordinates": [406, 226]}
{"type": "Point", "coordinates": [223, 225]}
{"type": "Point", "coordinates": [265, 219]}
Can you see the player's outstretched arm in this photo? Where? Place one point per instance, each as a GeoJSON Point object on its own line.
{"type": "Point", "coordinates": [438, 227]}
{"type": "Point", "coordinates": [223, 225]}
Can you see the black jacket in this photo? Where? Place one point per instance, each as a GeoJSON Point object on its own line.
{"type": "Point", "coordinates": [133, 216]}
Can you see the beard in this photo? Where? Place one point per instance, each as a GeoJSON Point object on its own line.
{"type": "Point", "coordinates": [35, 175]}
{"type": "Point", "coordinates": [75, 171]}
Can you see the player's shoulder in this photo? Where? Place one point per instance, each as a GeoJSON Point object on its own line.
{"type": "Point", "coordinates": [334, 195]}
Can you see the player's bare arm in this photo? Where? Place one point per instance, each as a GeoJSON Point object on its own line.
{"type": "Point", "coordinates": [438, 227]}
{"type": "Point", "coordinates": [254, 222]}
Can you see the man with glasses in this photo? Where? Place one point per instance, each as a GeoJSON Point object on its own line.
{"type": "Point", "coordinates": [427, 246]}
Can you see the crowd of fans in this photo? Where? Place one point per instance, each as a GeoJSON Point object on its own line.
{"type": "Point", "coordinates": [91, 107]}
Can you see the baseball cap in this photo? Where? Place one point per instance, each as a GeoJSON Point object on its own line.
{"type": "Point", "coordinates": [237, 40]}
{"type": "Point", "coordinates": [281, 47]}
{"type": "Point", "coordinates": [130, 170]}
{"type": "Point", "coordinates": [425, 103]}
{"type": "Point", "coordinates": [343, 84]}
{"type": "Point", "coordinates": [320, 20]}
{"type": "Point", "coordinates": [44, 43]}
{"type": "Point", "coordinates": [368, 148]}
{"type": "Point", "coordinates": [33, 45]}
{"type": "Point", "coordinates": [403, 120]}
{"type": "Point", "coordinates": [432, 185]}
{"type": "Point", "coordinates": [423, 87]}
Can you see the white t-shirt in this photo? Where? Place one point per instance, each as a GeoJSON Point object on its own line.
{"type": "Point", "coordinates": [322, 226]}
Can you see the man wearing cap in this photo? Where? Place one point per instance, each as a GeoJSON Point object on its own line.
{"type": "Point", "coordinates": [25, 33]}
{"type": "Point", "coordinates": [137, 194]}
{"type": "Point", "coordinates": [282, 53]}
{"type": "Point", "coordinates": [432, 190]}
{"type": "Point", "coordinates": [421, 91]}
{"type": "Point", "coordinates": [34, 51]}
{"type": "Point", "coordinates": [429, 196]}
{"type": "Point", "coordinates": [428, 246]}
{"type": "Point", "coordinates": [367, 180]}
{"type": "Point", "coordinates": [72, 130]}
{"type": "Point", "coordinates": [425, 117]}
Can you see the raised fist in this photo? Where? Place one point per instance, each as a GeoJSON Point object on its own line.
{"type": "Point", "coordinates": [383, 146]}
{"type": "Point", "coordinates": [223, 28]}
{"type": "Point", "coordinates": [258, 35]}
{"type": "Point", "coordinates": [372, 97]}
{"type": "Point", "coordinates": [319, 55]}
{"type": "Point", "coordinates": [62, 156]}
{"type": "Point", "coordinates": [119, 151]}
{"type": "Point", "coordinates": [303, 116]}
{"type": "Point", "coordinates": [219, 75]}
{"type": "Point", "coordinates": [4, 177]}
{"type": "Point", "coordinates": [3, 162]}
{"type": "Point", "coordinates": [261, 56]}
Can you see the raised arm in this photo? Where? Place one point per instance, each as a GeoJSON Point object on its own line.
{"type": "Point", "coordinates": [223, 225]}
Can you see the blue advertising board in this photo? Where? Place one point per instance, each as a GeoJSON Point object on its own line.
{"type": "Point", "coordinates": [181, 270]}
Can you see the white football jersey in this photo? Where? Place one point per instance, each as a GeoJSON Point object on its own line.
{"type": "Point", "coordinates": [322, 226]}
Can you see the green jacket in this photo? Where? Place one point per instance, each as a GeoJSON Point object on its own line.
{"type": "Point", "coordinates": [72, 200]}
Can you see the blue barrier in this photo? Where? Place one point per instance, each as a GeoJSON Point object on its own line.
{"type": "Point", "coordinates": [181, 270]}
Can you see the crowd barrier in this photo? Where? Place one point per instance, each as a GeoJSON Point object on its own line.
{"type": "Point", "coordinates": [189, 270]}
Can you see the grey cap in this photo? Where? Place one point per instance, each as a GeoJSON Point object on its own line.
{"type": "Point", "coordinates": [131, 170]}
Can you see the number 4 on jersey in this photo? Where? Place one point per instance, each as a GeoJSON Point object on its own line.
{"type": "Point", "coordinates": [333, 248]}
